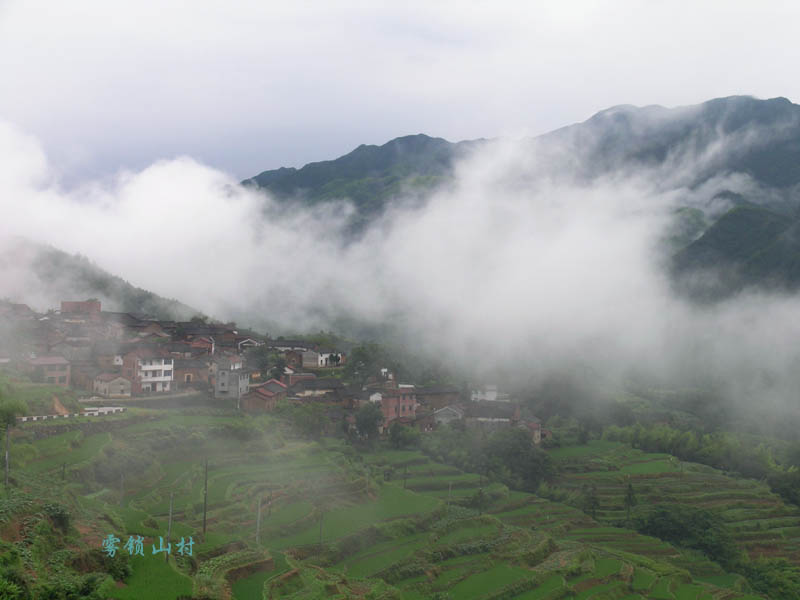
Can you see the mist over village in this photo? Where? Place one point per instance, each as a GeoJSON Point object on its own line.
{"type": "Point", "coordinates": [433, 301]}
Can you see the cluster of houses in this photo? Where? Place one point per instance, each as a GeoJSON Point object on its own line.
{"type": "Point", "coordinates": [122, 355]}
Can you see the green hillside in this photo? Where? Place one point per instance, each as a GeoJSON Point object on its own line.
{"type": "Point", "coordinates": [369, 176]}
{"type": "Point", "coordinates": [738, 134]}
{"type": "Point", "coordinates": [337, 522]}
{"type": "Point", "coordinates": [747, 246]}
{"type": "Point", "coordinates": [61, 276]}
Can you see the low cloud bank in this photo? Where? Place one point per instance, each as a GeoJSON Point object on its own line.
{"type": "Point", "coordinates": [503, 268]}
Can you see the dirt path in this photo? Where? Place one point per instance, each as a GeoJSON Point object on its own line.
{"type": "Point", "coordinates": [58, 407]}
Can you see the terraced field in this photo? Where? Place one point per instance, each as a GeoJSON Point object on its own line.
{"type": "Point", "coordinates": [761, 522]}
{"type": "Point", "coordinates": [566, 553]}
{"type": "Point", "coordinates": [339, 524]}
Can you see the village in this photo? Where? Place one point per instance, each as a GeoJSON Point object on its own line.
{"type": "Point", "coordinates": [120, 357]}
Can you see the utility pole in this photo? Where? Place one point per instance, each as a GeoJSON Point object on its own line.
{"type": "Point", "coordinates": [258, 523]}
{"type": "Point", "coordinates": [7, 427]}
{"type": "Point", "coordinates": [205, 500]}
{"type": "Point", "coordinates": [169, 526]}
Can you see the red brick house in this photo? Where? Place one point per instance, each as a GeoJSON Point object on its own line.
{"type": "Point", "coordinates": [190, 372]}
{"type": "Point", "coordinates": [264, 397]}
{"type": "Point", "coordinates": [50, 369]}
{"type": "Point", "coordinates": [297, 377]}
{"type": "Point", "coordinates": [397, 402]}
{"type": "Point", "coordinates": [86, 307]}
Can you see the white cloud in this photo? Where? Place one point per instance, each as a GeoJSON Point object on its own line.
{"type": "Point", "coordinates": [502, 269]}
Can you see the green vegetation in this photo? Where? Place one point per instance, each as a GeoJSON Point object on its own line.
{"type": "Point", "coordinates": [370, 176]}
{"type": "Point", "coordinates": [58, 274]}
{"type": "Point", "coordinates": [383, 519]}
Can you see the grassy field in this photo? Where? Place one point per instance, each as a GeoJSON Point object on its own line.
{"type": "Point", "coordinates": [158, 578]}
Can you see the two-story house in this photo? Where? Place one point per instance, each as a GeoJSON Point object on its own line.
{"type": "Point", "coordinates": [231, 380]}
{"type": "Point", "coordinates": [150, 371]}
{"type": "Point", "coordinates": [396, 403]}
{"type": "Point", "coordinates": [51, 369]}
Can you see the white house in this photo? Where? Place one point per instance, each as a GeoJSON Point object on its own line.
{"type": "Point", "coordinates": [148, 371]}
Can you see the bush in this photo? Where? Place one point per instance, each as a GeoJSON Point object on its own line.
{"type": "Point", "coordinates": [58, 514]}
{"type": "Point", "coordinates": [692, 528]}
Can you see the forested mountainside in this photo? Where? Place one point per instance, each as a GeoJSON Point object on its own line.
{"type": "Point", "coordinates": [746, 235]}
{"type": "Point", "coordinates": [51, 275]}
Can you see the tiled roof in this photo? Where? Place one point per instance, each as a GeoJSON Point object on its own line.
{"type": "Point", "coordinates": [110, 377]}
{"type": "Point", "coordinates": [48, 360]}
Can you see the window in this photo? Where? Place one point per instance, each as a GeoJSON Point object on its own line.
{"type": "Point", "coordinates": [188, 377]}
{"type": "Point", "coordinates": [167, 373]}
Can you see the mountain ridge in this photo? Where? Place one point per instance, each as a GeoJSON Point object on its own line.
{"type": "Point", "coordinates": [687, 146]}
{"type": "Point", "coordinates": [58, 275]}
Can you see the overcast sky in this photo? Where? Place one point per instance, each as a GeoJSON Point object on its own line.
{"type": "Point", "coordinates": [249, 86]}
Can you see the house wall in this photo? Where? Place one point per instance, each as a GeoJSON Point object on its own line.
{"type": "Point", "coordinates": [397, 403]}
{"type": "Point", "coordinates": [487, 394]}
{"type": "Point", "coordinates": [437, 400]}
{"type": "Point", "coordinates": [84, 308]}
{"type": "Point", "coordinates": [231, 384]}
{"type": "Point", "coordinates": [148, 375]}
{"type": "Point", "coordinates": [54, 374]}
{"type": "Point", "coordinates": [444, 417]}
{"type": "Point", "coordinates": [195, 375]}
{"type": "Point", "coordinates": [310, 359]}
{"type": "Point", "coordinates": [116, 388]}
{"type": "Point", "coordinates": [487, 424]}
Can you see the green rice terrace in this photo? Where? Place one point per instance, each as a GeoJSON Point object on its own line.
{"type": "Point", "coordinates": [339, 523]}
{"type": "Point", "coordinates": [760, 522]}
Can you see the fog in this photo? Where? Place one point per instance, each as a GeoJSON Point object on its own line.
{"type": "Point", "coordinates": [517, 264]}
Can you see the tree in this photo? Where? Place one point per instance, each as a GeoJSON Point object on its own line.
{"type": "Point", "coordinates": [583, 436]}
{"type": "Point", "coordinates": [590, 502]}
{"type": "Point", "coordinates": [10, 409]}
{"type": "Point", "coordinates": [268, 363]}
{"type": "Point", "coordinates": [364, 362]}
{"type": "Point", "coordinates": [479, 500]}
{"type": "Point", "coordinates": [368, 418]}
{"type": "Point", "coordinates": [510, 456]}
{"type": "Point", "coordinates": [278, 366]}
{"type": "Point", "coordinates": [630, 500]}
{"type": "Point", "coordinates": [401, 436]}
